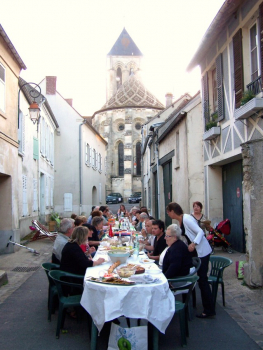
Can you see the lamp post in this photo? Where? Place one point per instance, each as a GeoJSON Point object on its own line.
{"type": "Point", "coordinates": [34, 110]}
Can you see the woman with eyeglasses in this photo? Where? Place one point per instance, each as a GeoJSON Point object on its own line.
{"type": "Point", "coordinates": [177, 260]}
{"type": "Point", "coordinates": [198, 241]}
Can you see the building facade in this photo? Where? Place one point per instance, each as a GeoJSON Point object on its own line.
{"type": "Point", "coordinates": [129, 105]}
{"type": "Point", "coordinates": [230, 57]}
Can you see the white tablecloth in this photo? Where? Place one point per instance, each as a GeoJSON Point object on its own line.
{"type": "Point", "coordinates": [153, 302]}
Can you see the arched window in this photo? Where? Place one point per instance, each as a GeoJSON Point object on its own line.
{"type": "Point", "coordinates": [119, 77]}
{"type": "Point", "coordinates": [138, 159]}
{"type": "Point", "coordinates": [121, 158]}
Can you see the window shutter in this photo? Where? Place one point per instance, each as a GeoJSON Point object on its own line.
{"type": "Point", "coordinates": [96, 159]}
{"type": "Point", "coordinates": [51, 192]}
{"type": "Point", "coordinates": [42, 137]}
{"type": "Point", "coordinates": [23, 134]}
{"type": "Point", "coordinates": [100, 199]}
{"type": "Point", "coordinates": [206, 113]}
{"type": "Point", "coordinates": [47, 193]}
{"type": "Point", "coordinates": [238, 67]}
{"type": "Point", "coordinates": [93, 157]}
{"type": "Point", "coordinates": [220, 87]}
{"type": "Point", "coordinates": [90, 155]}
{"type": "Point", "coordinates": [35, 148]}
{"type": "Point", "coordinates": [261, 37]}
{"type": "Point", "coordinates": [67, 201]}
{"type": "Point", "coordinates": [34, 194]}
{"type": "Point", "coordinates": [24, 185]}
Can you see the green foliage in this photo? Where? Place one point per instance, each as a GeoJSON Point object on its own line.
{"type": "Point", "coordinates": [212, 122]}
{"type": "Point", "coordinates": [247, 96]}
{"type": "Point", "coordinates": [55, 217]}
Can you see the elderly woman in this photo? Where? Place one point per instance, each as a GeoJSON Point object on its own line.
{"type": "Point", "coordinates": [197, 241]}
{"type": "Point", "coordinates": [177, 260]}
{"type": "Point", "coordinates": [73, 259]}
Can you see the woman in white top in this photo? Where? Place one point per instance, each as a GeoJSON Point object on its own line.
{"type": "Point", "coordinates": [197, 241]}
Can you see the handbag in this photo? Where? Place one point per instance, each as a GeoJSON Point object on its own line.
{"type": "Point", "coordinates": [134, 338]}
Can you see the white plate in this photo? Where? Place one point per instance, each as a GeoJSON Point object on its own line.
{"type": "Point", "coordinates": [147, 261]}
{"type": "Point", "coordinates": [153, 271]}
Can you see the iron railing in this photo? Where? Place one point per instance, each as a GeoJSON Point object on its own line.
{"type": "Point", "coordinates": [255, 86]}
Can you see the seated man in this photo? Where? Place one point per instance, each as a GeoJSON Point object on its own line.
{"type": "Point", "coordinates": [177, 260]}
{"type": "Point", "coordinates": [65, 231]}
{"type": "Point", "coordinates": [148, 236]}
{"type": "Point", "coordinates": [159, 240]}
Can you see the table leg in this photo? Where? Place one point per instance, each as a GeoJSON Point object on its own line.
{"type": "Point", "coordinates": [94, 336]}
{"type": "Point", "coordinates": [155, 338]}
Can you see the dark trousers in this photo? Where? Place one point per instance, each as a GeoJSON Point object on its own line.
{"type": "Point", "coordinates": [204, 286]}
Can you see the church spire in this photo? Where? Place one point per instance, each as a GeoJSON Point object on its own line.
{"type": "Point", "coordinates": [124, 46]}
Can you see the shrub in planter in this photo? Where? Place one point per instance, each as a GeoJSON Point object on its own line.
{"type": "Point", "coordinates": [247, 96]}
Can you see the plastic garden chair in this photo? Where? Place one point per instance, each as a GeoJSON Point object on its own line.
{"type": "Point", "coordinates": [52, 289]}
{"type": "Point", "coordinates": [196, 264]}
{"type": "Point", "coordinates": [218, 264]}
{"type": "Point", "coordinates": [186, 283]}
{"type": "Point", "coordinates": [64, 283]}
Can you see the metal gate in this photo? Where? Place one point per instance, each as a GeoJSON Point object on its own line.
{"type": "Point", "coordinates": [233, 203]}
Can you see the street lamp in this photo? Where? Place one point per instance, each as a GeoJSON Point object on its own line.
{"type": "Point", "coordinates": [34, 110]}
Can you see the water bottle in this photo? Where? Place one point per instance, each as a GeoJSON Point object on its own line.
{"type": "Point", "coordinates": [136, 247]}
{"type": "Point", "coordinates": [120, 240]}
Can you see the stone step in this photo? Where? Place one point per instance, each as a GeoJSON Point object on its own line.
{"type": "Point", "coordinates": [3, 278]}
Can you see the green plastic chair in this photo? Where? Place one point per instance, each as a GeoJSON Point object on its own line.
{"type": "Point", "coordinates": [64, 283]}
{"type": "Point", "coordinates": [218, 264]}
{"type": "Point", "coordinates": [183, 283]}
{"type": "Point", "coordinates": [52, 289]}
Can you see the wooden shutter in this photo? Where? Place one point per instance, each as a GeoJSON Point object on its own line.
{"type": "Point", "coordinates": [261, 37]}
{"type": "Point", "coordinates": [35, 206]}
{"type": "Point", "coordinates": [206, 113]}
{"type": "Point", "coordinates": [67, 201]}
{"type": "Point", "coordinates": [220, 87]}
{"type": "Point", "coordinates": [238, 67]}
{"type": "Point", "coordinates": [35, 148]}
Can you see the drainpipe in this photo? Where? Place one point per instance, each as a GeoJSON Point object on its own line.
{"type": "Point", "coordinates": [80, 168]}
{"type": "Point", "coordinates": [158, 176]}
{"type": "Point", "coordinates": [142, 171]}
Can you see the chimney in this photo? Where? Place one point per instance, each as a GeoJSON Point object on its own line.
{"type": "Point", "coordinates": [69, 101]}
{"type": "Point", "coordinates": [169, 99]}
{"type": "Point", "coordinates": [51, 83]}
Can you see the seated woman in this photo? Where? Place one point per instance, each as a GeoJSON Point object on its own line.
{"type": "Point", "coordinates": [97, 228]}
{"type": "Point", "coordinates": [122, 211]}
{"type": "Point", "coordinates": [73, 259]}
{"type": "Point", "coordinates": [177, 260]}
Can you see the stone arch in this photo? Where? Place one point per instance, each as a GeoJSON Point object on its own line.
{"type": "Point", "coordinates": [120, 65]}
{"type": "Point", "coordinates": [133, 65]}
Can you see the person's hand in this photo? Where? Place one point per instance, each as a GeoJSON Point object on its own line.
{"type": "Point", "coordinates": [149, 255]}
{"type": "Point", "coordinates": [92, 250]}
{"type": "Point", "coordinates": [98, 262]}
{"type": "Point", "coordinates": [191, 247]}
{"type": "Point", "coordinates": [144, 233]}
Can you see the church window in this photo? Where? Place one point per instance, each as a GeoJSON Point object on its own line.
{"type": "Point", "coordinates": [119, 77]}
{"type": "Point", "coordinates": [121, 127]}
{"type": "Point", "coordinates": [121, 159]}
{"type": "Point", "coordinates": [138, 126]}
{"type": "Point", "coordinates": [138, 159]}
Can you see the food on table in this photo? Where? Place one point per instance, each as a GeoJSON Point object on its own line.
{"type": "Point", "coordinates": [125, 272]}
{"type": "Point", "coordinates": [138, 269]}
{"type": "Point", "coordinates": [113, 266]}
{"type": "Point", "coordinates": [113, 280]}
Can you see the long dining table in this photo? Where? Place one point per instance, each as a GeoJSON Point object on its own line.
{"type": "Point", "coordinates": [153, 302]}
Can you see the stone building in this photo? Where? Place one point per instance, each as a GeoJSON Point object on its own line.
{"type": "Point", "coordinates": [129, 105]}
{"type": "Point", "coordinates": [231, 60]}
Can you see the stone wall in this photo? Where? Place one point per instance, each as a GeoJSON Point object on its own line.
{"type": "Point", "coordinates": [253, 208]}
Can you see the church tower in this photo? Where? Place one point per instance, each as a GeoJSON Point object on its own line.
{"type": "Point", "coordinates": [128, 106]}
{"type": "Point", "coordinates": [123, 59]}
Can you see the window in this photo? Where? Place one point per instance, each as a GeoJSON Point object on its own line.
{"type": "Point", "coordinates": [138, 159]}
{"type": "Point", "coordinates": [121, 127]}
{"type": "Point", "coordinates": [47, 192]}
{"type": "Point", "coordinates": [87, 155]}
{"type": "Point", "coordinates": [67, 201]}
{"type": "Point", "coordinates": [35, 148]}
{"type": "Point", "coordinates": [121, 159]}
{"type": "Point", "coordinates": [119, 78]}
{"type": "Point", "coordinates": [21, 133]}
{"type": "Point", "coordinates": [99, 163]}
{"type": "Point", "coordinates": [138, 126]}
{"type": "Point", "coordinates": [254, 52]}
{"type": "Point", "coordinates": [2, 88]}
{"type": "Point", "coordinates": [95, 158]}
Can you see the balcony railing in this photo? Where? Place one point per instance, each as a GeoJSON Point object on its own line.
{"type": "Point", "coordinates": [255, 86]}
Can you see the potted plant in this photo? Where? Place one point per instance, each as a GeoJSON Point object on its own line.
{"type": "Point", "coordinates": [54, 221]}
{"type": "Point", "coordinates": [247, 96]}
{"type": "Point", "coordinates": [212, 122]}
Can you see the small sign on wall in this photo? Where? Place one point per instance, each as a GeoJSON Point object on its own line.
{"type": "Point", "coordinates": [238, 192]}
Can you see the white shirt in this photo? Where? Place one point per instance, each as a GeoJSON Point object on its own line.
{"type": "Point", "coordinates": [59, 244]}
{"type": "Point", "coordinates": [196, 235]}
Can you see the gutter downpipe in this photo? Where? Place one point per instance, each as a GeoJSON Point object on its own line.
{"type": "Point", "coordinates": [158, 176]}
{"type": "Point", "coordinates": [80, 168]}
{"type": "Point", "coordinates": [142, 167]}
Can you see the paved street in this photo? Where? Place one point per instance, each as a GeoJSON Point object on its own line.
{"type": "Point", "coordinates": [24, 325]}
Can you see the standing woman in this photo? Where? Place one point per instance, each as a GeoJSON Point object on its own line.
{"type": "Point", "coordinates": [198, 215]}
{"type": "Point", "coordinates": [198, 241]}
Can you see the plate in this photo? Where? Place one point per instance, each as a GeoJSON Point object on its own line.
{"type": "Point", "coordinates": [122, 282]}
{"type": "Point", "coordinates": [153, 271]}
{"type": "Point", "coordinates": [147, 261]}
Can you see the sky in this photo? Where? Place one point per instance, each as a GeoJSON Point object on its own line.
{"type": "Point", "coordinates": [70, 39]}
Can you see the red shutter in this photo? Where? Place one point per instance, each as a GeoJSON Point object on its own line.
{"type": "Point", "coordinates": [238, 67]}
{"type": "Point", "coordinates": [206, 113]}
{"type": "Point", "coordinates": [261, 36]}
